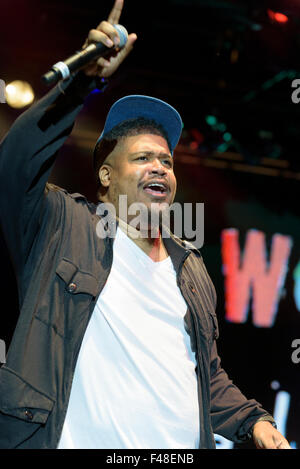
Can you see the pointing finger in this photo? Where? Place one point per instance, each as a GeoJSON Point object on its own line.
{"type": "Point", "coordinates": [116, 11]}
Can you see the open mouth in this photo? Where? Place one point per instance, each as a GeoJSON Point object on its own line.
{"type": "Point", "coordinates": [156, 189]}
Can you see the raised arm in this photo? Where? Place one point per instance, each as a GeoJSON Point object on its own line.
{"type": "Point", "coordinates": [28, 151]}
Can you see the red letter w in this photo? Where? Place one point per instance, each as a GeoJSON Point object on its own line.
{"type": "Point", "coordinates": [254, 273]}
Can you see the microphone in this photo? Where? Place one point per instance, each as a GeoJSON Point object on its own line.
{"type": "Point", "coordinates": [63, 70]}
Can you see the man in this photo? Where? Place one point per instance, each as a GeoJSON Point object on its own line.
{"type": "Point", "coordinates": [115, 346]}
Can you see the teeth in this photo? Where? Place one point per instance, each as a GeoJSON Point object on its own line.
{"type": "Point", "coordinates": [157, 185]}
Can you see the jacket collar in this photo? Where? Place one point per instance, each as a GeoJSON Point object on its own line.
{"type": "Point", "coordinates": [177, 248]}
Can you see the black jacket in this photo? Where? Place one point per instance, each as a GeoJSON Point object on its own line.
{"type": "Point", "coordinates": [61, 266]}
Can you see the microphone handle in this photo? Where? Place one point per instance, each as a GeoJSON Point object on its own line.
{"type": "Point", "coordinates": [62, 70]}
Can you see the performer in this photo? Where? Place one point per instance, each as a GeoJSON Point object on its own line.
{"type": "Point", "coordinates": [115, 346]}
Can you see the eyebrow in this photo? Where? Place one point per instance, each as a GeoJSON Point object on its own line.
{"type": "Point", "coordinates": [152, 153]}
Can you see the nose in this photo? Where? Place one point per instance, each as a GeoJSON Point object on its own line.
{"type": "Point", "coordinates": [157, 167]}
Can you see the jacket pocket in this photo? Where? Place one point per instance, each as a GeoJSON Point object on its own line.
{"type": "Point", "coordinates": [65, 305]}
{"type": "Point", "coordinates": [23, 409]}
{"type": "Point", "coordinates": [76, 280]}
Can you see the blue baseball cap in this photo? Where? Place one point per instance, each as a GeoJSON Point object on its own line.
{"type": "Point", "coordinates": [134, 106]}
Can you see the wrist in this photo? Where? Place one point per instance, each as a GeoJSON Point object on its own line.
{"type": "Point", "coordinates": [80, 85]}
{"type": "Point", "coordinates": [85, 84]}
{"type": "Point", "coordinates": [264, 418]}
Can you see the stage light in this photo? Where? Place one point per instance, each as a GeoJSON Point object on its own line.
{"type": "Point", "coordinates": [211, 120]}
{"type": "Point", "coordinates": [280, 18]}
{"type": "Point", "coordinates": [227, 137]}
{"type": "Point", "coordinates": [234, 56]}
{"type": "Point", "coordinates": [275, 385]}
{"type": "Point", "coordinates": [193, 145]}
{"type": "Point", "coordinates": [222, 148]}
{"type": "Point", "coordinates": [19, 94]}
{"type": "Point", "coordinates": [197, 135]}
{"type": "Point", "coordinates": [277, 16]}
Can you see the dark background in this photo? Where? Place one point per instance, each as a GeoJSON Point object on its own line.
{"type": "Point", "coordinates": [226, 59]}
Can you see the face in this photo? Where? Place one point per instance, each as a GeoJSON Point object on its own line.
{"type": "Point", "coordinates": [141, 167]}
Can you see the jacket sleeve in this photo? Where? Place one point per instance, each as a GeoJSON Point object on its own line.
{"type": "Point", "coordinates": [27, 155]}
{"type": "Point", "coordinates": [232, 414]}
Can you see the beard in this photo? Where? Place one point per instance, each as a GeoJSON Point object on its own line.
{"type": "Point", "coordinates": [151, 219]}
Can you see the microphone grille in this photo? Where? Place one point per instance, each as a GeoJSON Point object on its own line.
{"type": "Point", "coordinates": [122, 33]}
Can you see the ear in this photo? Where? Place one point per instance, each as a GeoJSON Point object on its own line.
{"type": "Point", "coordinates": [105, 175]}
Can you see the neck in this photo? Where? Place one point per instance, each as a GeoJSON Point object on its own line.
{"type": "Point", "coordinates": [153, 246]}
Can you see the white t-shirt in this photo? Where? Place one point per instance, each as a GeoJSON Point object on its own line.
{"type": "Point", "coordinates": [135, 384]}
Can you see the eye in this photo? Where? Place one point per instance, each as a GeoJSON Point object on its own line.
{"type": "Point", "coordinates": [168, 163]}
{"type": "Point", "coordinates": [142, 157]}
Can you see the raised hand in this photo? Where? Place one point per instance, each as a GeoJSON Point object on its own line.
{"type": "Point", "coordinates": [108, 35]}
